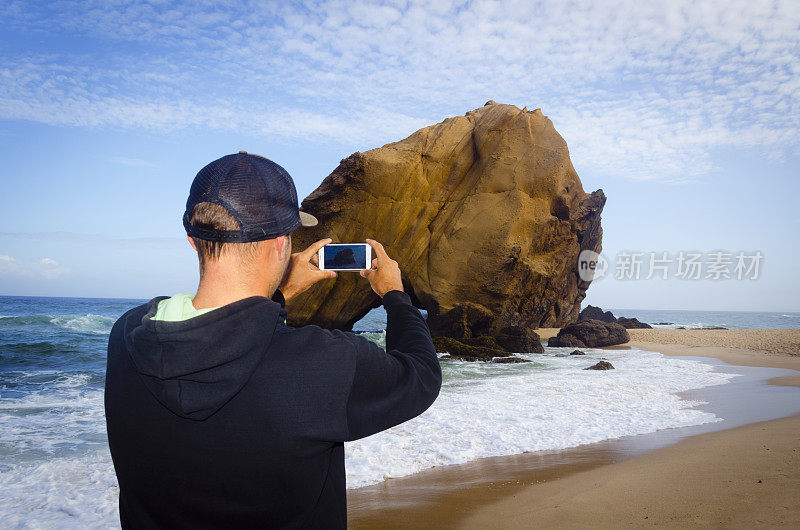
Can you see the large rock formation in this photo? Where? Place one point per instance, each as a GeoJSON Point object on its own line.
{"type": "Point", "coordinates": [485, 215]}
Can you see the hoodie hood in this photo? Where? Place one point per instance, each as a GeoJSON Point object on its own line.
{"type": "Point", "coordinates": [194, 367]}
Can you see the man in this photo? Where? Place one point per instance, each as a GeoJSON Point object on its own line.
{"type": "Point", "coordinates": [220, 415]}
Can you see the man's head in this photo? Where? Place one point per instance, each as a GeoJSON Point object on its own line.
{"type": "Point", "coordinates": [247, 256]}
{"type": "Point", "coordinates": [241, 211]}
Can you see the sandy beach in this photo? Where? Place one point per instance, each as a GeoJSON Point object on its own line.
{"type": "Point", "coordinates": [772, 341]}
{"type": "Point", "coordinates": [748, 476]}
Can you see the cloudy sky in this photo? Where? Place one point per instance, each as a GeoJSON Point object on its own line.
{"type": "Point", "coordinates": [687, 114]}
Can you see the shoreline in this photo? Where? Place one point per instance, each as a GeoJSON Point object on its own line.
{"type": "Point", "coordinates": [515, 491]}
{"type": "Point", "coordinates": [743, 477]}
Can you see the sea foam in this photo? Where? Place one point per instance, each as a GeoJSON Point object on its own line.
{"type": "Point", "coordinates": [90, 323]}
{"type": "Point", "coordinates": [553, 403]}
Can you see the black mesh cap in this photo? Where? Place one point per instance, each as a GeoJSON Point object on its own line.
{"type": "Point", "coordinates": [256, 191]}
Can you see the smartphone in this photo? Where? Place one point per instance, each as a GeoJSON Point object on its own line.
{"type": "Point", "coordinates": [345, 257]}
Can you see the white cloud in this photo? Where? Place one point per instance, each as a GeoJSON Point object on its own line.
{"type": "Point", "coordinates": [46, 268]}
{"type": "Point", "coordinates": [643, 90]}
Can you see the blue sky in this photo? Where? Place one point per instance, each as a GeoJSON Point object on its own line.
{"type": "Point", "coordinates": [688, 117]}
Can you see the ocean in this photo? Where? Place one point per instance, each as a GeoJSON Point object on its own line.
{"type": "Point", "coordinates": [709, 319]}
{"type": "Point", "coordinates": [55, 468]}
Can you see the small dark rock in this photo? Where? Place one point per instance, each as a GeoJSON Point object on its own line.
{"type": "Point", "coordinates": [576, 352]}
{"type": "Point", "coordinates": [602, 365]}
{"type": "Point", "coordinates": [510, 359]}
{"type": "Point", "coordinates": [482, 348]}
{"type": "Point", "coordinates": [595, 313]}
{"type": "Point", "coordinates": [680, 327]}
{"type": "Point", "coordinates": [663, 323]}
{"type": "Point", "coordinates": [632, 323]}
{"type": "Point", "coordinates": [590, 334]}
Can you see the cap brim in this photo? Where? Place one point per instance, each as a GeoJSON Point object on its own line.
{"type": "Point", "coordinates": [306, 219]}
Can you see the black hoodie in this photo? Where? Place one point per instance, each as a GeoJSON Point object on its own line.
{"type": "Point", "coordinates": [232, 419]}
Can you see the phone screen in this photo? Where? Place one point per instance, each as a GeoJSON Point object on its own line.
{"type": "Point", "coordinates": [345, 256]}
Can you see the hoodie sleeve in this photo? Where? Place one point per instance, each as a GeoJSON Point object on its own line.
{"type": "Point", "coordinates": [393, 386]}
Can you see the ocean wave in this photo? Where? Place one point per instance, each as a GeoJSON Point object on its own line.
{"type": "Point", "coordinates": [58, 414]}
{"type": "Point", "coordinates": [692, 325]}
{"type": "Point", "coordinates": [26, 320]}
{"type": "Point", "coordinates": [35, 351]}
{"type": "Point", "coordinates": [378, 337]}
{"type": "Point", "coordinates": [89, 323]}
{"type": "Point", "coordinates": [79, 492]}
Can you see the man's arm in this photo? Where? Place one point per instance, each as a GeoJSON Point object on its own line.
{"type": "Point", "coordinates": [396, 385]}
{"type": "Point", "coordinates": [386, 387]}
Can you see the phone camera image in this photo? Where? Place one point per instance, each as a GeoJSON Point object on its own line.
{"type": "Point", "coordinates": [349, 257]}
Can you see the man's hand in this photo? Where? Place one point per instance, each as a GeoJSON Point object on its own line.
{"type": "Point", "coordinates": [302, 272]}
{"type": "Point", "coordinates": [384, 276]}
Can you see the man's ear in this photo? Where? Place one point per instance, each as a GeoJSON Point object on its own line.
{"type": "Point", "coordinates": [276, 245]}
{"type": "Point", "coordinates": [286, 247]}
{"type": "Point", "coordinates": [191, 241]}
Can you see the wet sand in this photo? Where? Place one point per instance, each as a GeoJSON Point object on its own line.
{"type": "Point", "coordinates": [675, 477]}
{"type": "Point", "coordinates": [740, 478]}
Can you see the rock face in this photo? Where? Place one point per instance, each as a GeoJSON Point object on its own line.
{"type": "Point", "coordinates": [485, 215]}
{"type": "Point", "coordinates": [591, 312]}
{"type": "Point", "coordinates": [590, 334]}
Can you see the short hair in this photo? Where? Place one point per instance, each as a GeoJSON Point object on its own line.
{"type": "Point", "coordinates": [215, 217]}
